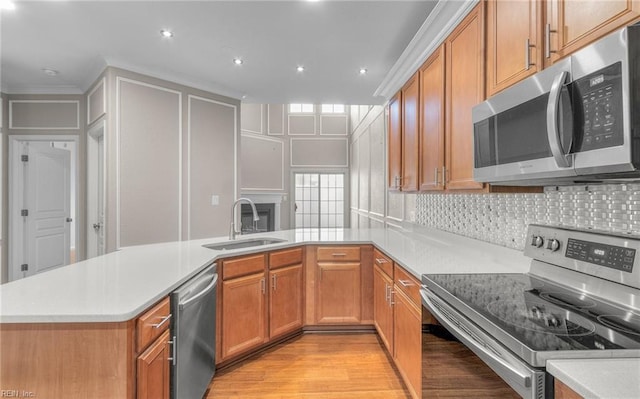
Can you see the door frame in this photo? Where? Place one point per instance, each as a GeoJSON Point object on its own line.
{"type": "Point", "coordinates": [16, 189]}
{"type": "Point", "coordinates": [97, 131]}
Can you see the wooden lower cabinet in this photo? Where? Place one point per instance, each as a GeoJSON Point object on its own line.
{"type": "Point", "coordinates": [382, 307]}
{"type": "Point", "coordinates": [407, 333]}
{"type": "Point", "coordinates": [243, 314]}
{"type": "Point", "coordinates": [562, 391]}
{"type": "Point", "coordinates": [153, 370]}
{"type": "Point", "coordinates": [338, 297]}
{"type": "Point", "coordinates": [285, 300]}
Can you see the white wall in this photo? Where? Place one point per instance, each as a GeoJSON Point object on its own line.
{"type": "Point", "coordinates": [372, 205]}
{"type": "Point", "coordinates": [275, 144]}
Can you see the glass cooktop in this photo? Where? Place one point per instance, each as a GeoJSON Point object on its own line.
{"type": "Point", "coordinates": [541, 315]}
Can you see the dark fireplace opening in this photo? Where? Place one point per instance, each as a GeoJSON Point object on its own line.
{"type": "Point", "coordinates": [267, 214]}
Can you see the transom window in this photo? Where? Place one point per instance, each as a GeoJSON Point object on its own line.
{"type": "Point", "coordinates": [333, 108]}
{"type": "Point", "coordinates": [301, 108]}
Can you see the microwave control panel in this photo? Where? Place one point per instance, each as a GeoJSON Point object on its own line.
{"type": "Point", "coordinates": [600, 95]}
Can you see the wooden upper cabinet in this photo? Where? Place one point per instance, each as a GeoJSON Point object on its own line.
{"type": "Point", "coordinates": [395, 142]}
{"type": "Point", "coordinates": [514, 42]}
{"type": "Point", "coordinates": [410, 110]}
{"type": "Point", "coordinates": [432, 115]}
{"type": "Point", "coordinates": [574, 24]}
{"type": "Point", "coordinates": [465, 88]}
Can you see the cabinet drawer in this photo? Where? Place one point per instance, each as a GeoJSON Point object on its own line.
{"type": "Point", "coordinates": [407, 283]}
{"type": "Point", "coordinates": [383, 262]}
{"type": "Point", "coordinates": [338, 254]}
{"type": "Point", "coordinates": [285, 258]}
{"type": "Point", "coordinates": [152, 323]}
{"type": "Point", "coordinates": [242, 266]}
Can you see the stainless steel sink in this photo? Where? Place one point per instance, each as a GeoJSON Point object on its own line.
{"type": "Point", "coordinates": [236, 244]}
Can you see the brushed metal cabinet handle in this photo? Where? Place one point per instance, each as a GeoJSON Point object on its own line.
{"type": "Point", "coordinates": [527, 54]}
{"type": "Point", "coordinates": [406, 283]}
{"type": "Point", "coordinates": [274, 284]}
{"type": "Point", "coordinates": [547, 40]}
{"type": "Point", "coordinates": [263, 284]}
{"type": "Point", "coordinates": [381, 261]}
{"type": "Point", "coordinates": [338, 254]}
{"type": "Point", "coordinates": [164, 320]}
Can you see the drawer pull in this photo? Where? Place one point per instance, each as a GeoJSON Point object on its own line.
{"type": "Point", "coordinates": [338, 254]}
{"type": "Point", "coordinates": [164, 320]}
{"type": "Point", "coordinates": [406, 283]}
{"type": "Point", "coordinates": [380, 261]}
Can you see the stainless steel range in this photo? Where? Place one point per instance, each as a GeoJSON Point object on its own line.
{"type": "Point", "coordinates": [580, 299]}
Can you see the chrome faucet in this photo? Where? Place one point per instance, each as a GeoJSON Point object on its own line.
{"type": "Point", "coordinates": [232, 230]}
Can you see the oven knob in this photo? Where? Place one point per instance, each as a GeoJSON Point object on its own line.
{"type": "Point", "coordinates": [553, 245]}
{"type": "Point", "coordinates": [537, 241]}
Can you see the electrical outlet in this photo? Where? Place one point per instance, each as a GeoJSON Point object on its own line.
{"type": "Point", "coordinates": [215, 200]}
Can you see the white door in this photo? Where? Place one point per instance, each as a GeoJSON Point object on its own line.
{"type": "Point", "coordinates": [47, 201]}
{"type": "Point", "coordinates": [95, 192]}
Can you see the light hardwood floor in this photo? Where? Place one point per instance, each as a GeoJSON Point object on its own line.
{"type": "Point", "coordinates": [327, 366]}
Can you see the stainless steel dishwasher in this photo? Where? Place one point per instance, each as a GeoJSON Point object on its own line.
{"type": "Point", "coordinates": [193, 331]}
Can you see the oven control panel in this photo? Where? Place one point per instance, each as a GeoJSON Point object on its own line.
{"type": "Point", "coordinates": [619, 258]}
{"type": "Point", "coordinates": [596, 253]}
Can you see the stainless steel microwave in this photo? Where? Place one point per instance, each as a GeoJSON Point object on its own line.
{"type": "Point", "coordinates": [577, 121]}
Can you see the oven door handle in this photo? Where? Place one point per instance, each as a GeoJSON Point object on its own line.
{"type": "Point", "coordinates": [506, 370]}
{"type": "Point", "coordinates": [562, 159]}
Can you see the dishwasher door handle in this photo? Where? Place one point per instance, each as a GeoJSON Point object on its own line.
{"type": "Point", "coordinates": [200, 294]}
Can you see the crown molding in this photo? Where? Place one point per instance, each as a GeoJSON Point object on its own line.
{"type": "Point", "coordinates": [446, 15]}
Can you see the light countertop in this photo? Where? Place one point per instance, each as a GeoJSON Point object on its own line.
{"type": "Point", "coordinates": [599, 378]}
{"type": "Point", "coordinates": [120, 285]}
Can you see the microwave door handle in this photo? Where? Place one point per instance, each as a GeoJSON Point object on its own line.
{"type": "Point", "coordinates": [553, 133]}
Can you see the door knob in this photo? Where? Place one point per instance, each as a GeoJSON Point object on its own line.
{"type": "Point", "coordinates": [69, 220]}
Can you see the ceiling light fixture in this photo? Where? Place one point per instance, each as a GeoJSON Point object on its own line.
{"type": "Point", "coordinates": [300, 68]}
{"type": "Point", "coordinates": [166, 33]}
{"type": "Point", "coordinates": [238, 61]}
{"type": "Point", "coordinates": [50, 72]}
{"type": "Point", "coordinates": [363, 71]}
{"type": "Point", "coordinates": [7, 5]}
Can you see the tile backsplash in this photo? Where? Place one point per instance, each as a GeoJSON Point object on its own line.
{"type": "Point", "coordinates": [503, 218]}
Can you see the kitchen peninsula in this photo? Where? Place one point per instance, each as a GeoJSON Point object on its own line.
{"type": "Point", "coordinates": [112, 290]}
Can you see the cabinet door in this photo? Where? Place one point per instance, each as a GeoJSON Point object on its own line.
{"type": "Point", "coordinates": [432, 122]}
{"type": "Point", "coordinates": [407, 332]}
{"type": "Point", "coordinates": [465, 88]}
{"type": "Point", "coordinates": [395, 142]}
{"type": "Point", "coordinates": [285, 305]}
{"type": "Point", "coordinates": [410, 105]}
{"type": "Point", "coordinates": [383, 311]}
{"type": "Point", "coordinates": [514, 35]}
{"type": "Point", "coordinates": [574, 24]}
{"type": "Point", "coordinates": [153, 370]}
{"type": "Point", "coordinates": [243, 314]}
{"type": "Point", "coordinates": [338, 293]}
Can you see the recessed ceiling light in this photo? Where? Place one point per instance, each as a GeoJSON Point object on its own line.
{"type": "Point", "coordinates": [166, 33]}
{"type": "Point", "coordinates": [244, 96]}
{"type": "Point", "coordinates": [363, 71]}
{"type": "Point", "coordinates": [237, 61]}
{"type": "Point", "coordinates": [7, 5]}
{"type": "Point", "coordinates": [50, 72]}
{"type": "Point", "coordinates": [300, 68]}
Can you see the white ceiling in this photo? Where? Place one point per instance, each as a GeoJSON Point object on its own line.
{"type": "Point", "coordinates": [332, 39]}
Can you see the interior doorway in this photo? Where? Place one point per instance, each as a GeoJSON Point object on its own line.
{"type": "Point", "coordinates": [43, 202]}
{"type": "Point", "coordinates": [96, 190]}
